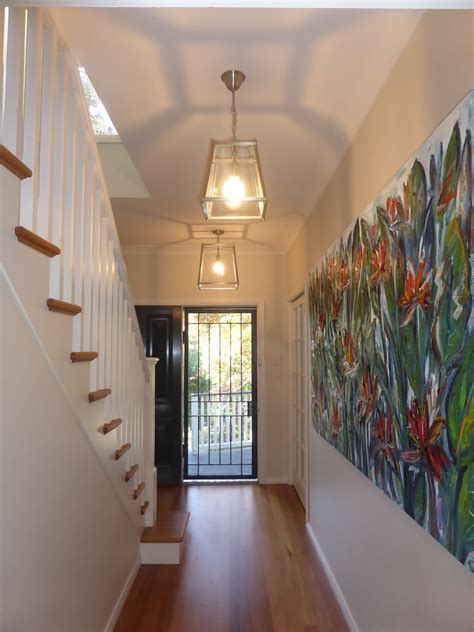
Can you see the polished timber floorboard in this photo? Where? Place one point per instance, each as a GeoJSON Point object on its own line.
{"type": "Point", "coordinates": [248, 566]}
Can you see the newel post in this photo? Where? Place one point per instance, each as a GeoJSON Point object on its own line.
{"type": "Point", "coordinates": [149, 443]}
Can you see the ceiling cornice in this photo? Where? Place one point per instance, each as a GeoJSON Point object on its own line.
{"type": "Point", "coordinates": [252, 4]}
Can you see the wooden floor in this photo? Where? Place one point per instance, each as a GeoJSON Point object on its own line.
{"type": "Point", "coordinates": [248, 566]}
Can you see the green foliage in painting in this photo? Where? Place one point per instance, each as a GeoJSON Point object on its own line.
{"type": "Point", "coordinates": [392, 337]}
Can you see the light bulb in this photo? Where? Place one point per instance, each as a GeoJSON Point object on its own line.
{"type": "Point", "coordinates": [218, 267]}
{"type": "Point", "coordinates": [234, 190]}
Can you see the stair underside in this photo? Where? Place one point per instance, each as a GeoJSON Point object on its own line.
{"type": "Point", "coordinates": [170, 527]}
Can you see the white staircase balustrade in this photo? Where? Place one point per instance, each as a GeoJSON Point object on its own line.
{"type": "Point", "coordinates": [45, 126]}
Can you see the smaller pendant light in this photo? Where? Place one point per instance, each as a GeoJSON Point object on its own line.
{"type": "Point", "coordinates": [218, 266]}
{"type": "Point", "coordinates": [233, 183]}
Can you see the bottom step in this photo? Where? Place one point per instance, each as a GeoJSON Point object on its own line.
{"type": "Point", "coordinates": [162, 543]}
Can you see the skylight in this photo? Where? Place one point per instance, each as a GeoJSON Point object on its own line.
{"type": "Point", "coordinates": [101, 122]}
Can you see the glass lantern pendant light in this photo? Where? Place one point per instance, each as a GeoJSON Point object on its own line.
{"type": "Point", "coordinates": [233, 183]}
{"type": "Point", "coordinates": [218, 266]}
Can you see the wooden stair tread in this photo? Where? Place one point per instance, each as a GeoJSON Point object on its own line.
{"type": "Point", "coordinates": [54, 305]}
{"type": "Point", "coordinates": [129, 473]}
{"type": "Point", "coordinates": [170, 527]}
{"type": "Point", "coordinates": [121, 451]}
{"type": "Point", "coordinates": [111, 425]}
{"type": "Point", "coordinates": [100, 394]}
{"type": "Point", "coordinates": [28, 238]}
{"type": "Point", "coordinates": [83, 356]}
{"type": "Point", "coordinates": [14, 164]}
{"type": "Point", "coordinates": [138, 491]}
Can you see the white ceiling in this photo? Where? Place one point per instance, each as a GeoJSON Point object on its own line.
{"type": "Point", "coordinates": [312, 76]}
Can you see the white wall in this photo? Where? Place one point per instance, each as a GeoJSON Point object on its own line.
{"type": "Point", "coordinates": [393, 575]}
{"type": "Point", "coordinates": [67, 546]}
{"type": "Point", "coordinates": [171, 279]}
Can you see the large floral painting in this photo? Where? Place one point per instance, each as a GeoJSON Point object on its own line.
{"type": "Point", "coordinates": [392, 338]}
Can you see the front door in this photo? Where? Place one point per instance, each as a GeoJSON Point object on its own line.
{"type": "Point", "coordinates": [220, 394]}
{"type": "Point", "coordinates": [161, 328]}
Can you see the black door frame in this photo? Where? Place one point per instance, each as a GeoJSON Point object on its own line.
{"type": "Point", "coordinates": [221, 310]}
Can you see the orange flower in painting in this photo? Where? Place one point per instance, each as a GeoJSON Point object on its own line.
{"type": "Point", "coordinates": [399, 218]}
{"type": "Point", "coordinates": [425, 439]}
{"type": "Point", "coordinates": [383, 434]}
{"type": "Point", "coordinates": [391, 209]}
{"type": "Point", "coordinates": [380, 263]}
{"type": "Point", "coordinates": [447, 194]}
{"type": "Point", "coordinates": [350, 362]}
{"type": "Point", "coordinates": [416, 291]}
{"type": "Point", "coordinates": [349, 348]}
{"type": "Point", "coordinates": [359, 262]}
{"type": "Point", "coordinates": [342, 277]}
{"type": "Point", "coordinates": [368, 393]}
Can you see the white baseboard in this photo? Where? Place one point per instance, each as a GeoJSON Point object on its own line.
{"type": "Point", "coordinates": [333, 581]}
{"type": "Point", "coordinates": [123, 596]}
{"type": "Point", "coordinates": [274, 480]}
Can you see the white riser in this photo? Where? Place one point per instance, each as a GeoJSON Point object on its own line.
{"type": "Point", "coordinates": [161, 553]}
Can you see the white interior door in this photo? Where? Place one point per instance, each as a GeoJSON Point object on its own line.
{"type": "Point", "coordinates": [298, 398]}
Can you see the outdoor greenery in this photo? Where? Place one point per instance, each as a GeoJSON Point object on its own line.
{"type": "Point", "coordinates": [219, 353]}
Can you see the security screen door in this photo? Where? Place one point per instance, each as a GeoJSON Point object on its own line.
{"type": "Point", "coordinates": [220, 394]}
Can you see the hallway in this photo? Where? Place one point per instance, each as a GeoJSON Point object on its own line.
{"type": "Point", "coordinates": [248, 566]}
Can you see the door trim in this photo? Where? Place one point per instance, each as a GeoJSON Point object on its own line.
{"type": "Point", "coordinates": [299, 299]}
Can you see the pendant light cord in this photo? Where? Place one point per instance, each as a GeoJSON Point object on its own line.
{"type": "Point", "coordinates": [233, 111]}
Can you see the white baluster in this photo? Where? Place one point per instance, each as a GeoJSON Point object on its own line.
{"type": "Point", "coordinates": [86, 303]}
{"type": "Point", "coordinates": [103, 271]}
{"type": "Point", "coordinates": [33, 79]}
{"type": "Point", "coordinates": [48, 122]}
{"type": "Point", "coordinates": [78, 260]}
{"type": "Point", "coordinates": [28, 191]}
{"type": "Point", "coordinates": [67, 246]}
{"type": "Point", "coordinates": [13, 81]}
{"type": "Point", "coordinates": [97, 228]}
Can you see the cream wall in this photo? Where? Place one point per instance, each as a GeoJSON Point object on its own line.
{"type": "Point", "coordinates": [171, 279]}
{"type": "Point", "coordinates": [392, 574]}
{"type": "Point", "coordinates": [66, 544]}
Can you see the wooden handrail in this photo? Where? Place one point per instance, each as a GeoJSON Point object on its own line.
{"type": "Point", "coordinates": [14, 164]}
{"type": "Point", "coordinates": [54, 305]}
{"type": "Point", "coordinates": [111, 425]}
{"type": "Point", "coordinates": [83, 356]}
{"type": "Point", "coordinates": [129, 473]}
{"type": "Point", "coordinates": [138, 491]}
{"type": "Point", "coordinates": [28, 238]}
{"type": "Point", "coordinates": [121, 451]}
{"type": "Point", "coordinates": [144, 507]}
{"type": "Point", "coordinates": [100, 394]}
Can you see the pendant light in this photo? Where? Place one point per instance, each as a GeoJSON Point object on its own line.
{"type": "Point", "coordinates": [233, 184]}
{"type": "Point", "coordinates": [218, 266]}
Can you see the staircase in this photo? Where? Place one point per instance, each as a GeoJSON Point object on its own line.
{"type": "Point", "coordinates": [61, 256]}
{"type": "Point", "coordinates": [163, 543]}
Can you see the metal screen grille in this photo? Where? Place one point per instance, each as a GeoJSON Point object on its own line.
{"type": "Point", "coordinates": [220, 394]}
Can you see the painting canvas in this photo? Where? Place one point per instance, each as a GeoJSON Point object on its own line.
{"type": "Point", "coordinates": [392, 338]}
